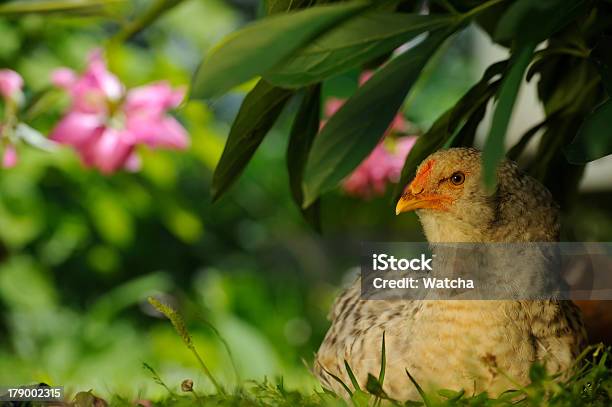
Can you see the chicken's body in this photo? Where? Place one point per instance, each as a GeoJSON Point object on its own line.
{"type": "Point", "coordinates": [471, 345]}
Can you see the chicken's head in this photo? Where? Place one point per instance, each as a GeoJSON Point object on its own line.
{"type": "Point", "coordinates": [454, 206]}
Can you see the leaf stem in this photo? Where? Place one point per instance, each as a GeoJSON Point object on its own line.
{"type": "Point", "coordinates": [447, 5]}
{"type": "Point", "coordinates": [481, 8]}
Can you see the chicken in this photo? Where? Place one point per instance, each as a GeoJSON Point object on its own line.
{"type": "Point", "coordinates": [477, 346]}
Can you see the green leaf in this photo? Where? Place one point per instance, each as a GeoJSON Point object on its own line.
{"type": "Point", "coordinates": [374, 387]}
{"type": "Point", "coordinates": [451, 395]}
{"type": "Point", "coordinates": [141, 22]}
{"type": "Point", "coordinates": [339, 380]}
{"type": "Point", "coordinates": [529, 21]}
{"type": "Point", "coordinates": [53, 6]}
{"type": "Point", "coordinates": [259, 110]}
{"type": "Point", "coordinates": [550, 163]}
{"type": "Point", "coordinates": [537, 373]}
{"type": "Point", "coordinates": [261, 45]}
{"type": "Point", "coordinates": [494, 145]}
{"type": "Point", "coordinates": [305, 128]}
{"type": "Point", "coordinates": [284, 6]}
{"type": "Point", "coordinates": [441, 133]}
{"type": "Point", "coordinates": [178, 322]}
{"type": "Point", "coordinates": [351, 134]}
{"type": "Point", "coordinates": [602, 55]}
{"type": "Point", "coordinates": [352, 44]}
{"type": "Point", "coordinates": [351, 376]}
{"type": "Point", "coordinates": [515, 152]}
{"type": "Point", "coordinates": [426, 399]}
{"type": "Point", "coordinates": [360, 398]}
{"type": "Point", "coordinates": [594, 139]}
{"type": "Point", "coordinates": [466, 135]}
{"type": "Point", "coordinates": [34, 138]}
{"type": "Point", "coordinates": [383, 361]}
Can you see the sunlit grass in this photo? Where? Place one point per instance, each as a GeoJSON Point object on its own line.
{"type": "Point", "coordinates": [589, 383]}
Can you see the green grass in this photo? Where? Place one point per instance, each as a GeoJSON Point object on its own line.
{"type": "Point", "coordinates": [589, 384]}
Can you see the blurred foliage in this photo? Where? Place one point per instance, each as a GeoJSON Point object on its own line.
{"type": "Point", "coordinates": [80, 252]}
{"type": "Point", "coordinates": [564, 42]}
{"type": "Point", "coordinates": [587, 382]}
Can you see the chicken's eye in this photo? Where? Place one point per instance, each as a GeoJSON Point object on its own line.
{"type": "Point", "coordinates": [457, 178]}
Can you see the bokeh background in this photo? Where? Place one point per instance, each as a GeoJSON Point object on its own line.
{"type": "Point", "coordinates": [80, 251]}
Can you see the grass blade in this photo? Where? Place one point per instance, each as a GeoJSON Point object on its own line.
{"type": "Point", "coordinates": [426, 400]}
{"type": "Point", "coordinates": [336, 378]}
{"type": "Point", "coordinates": [157, 379]}
{"type": "Point", "coordinates": [351, 376]}
{"type": "Point", "coordinates": [179, 326]}
{"type": "Point", "coordinates": [383, 361]}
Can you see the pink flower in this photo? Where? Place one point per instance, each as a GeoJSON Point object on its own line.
{"type": "Point", "coordinates": [332, 105]}
{"type": "Point", "coordinates": [10, 84]}
{"type": "Point", "coordinates": [10, 157]}
{"type": "Point", "coordinates": [365, 76]}
{"type": "Point", "coordinates": [383, 165]}
{"type": "Point", "coordinates": [106, 122]}
{"type": "Point", "coordinates": [10, 90]}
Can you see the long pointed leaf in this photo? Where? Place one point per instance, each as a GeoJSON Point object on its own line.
{"type": "Point", "coordinates": [284, 6]}
{"type": "Point", "coordinates": [529, 21]}
{"type": "Point", "coordinates": [494, 146]}
{"type": "Point", "coordinates": [53, 6]}
{"type": "Point", "coordinates": [351, 376]}
{"type": "Point", "coordinates": [352, 44]}
{"type": "Point", "coordinates": [261, 45]}
{"type": "Point", "coordinates": [383, 361]}
{"type": "Point", "coordinates": [594, 139]}
{"type": "Point", "coordinates": [258, 113]}
{"type": "Point", "coordinates": [339, 380]}
{"type": "Point", "coordinates": [351, 133]}
{"type": "Point", "coordinates": [422, 393]}
{"type": "Point", "coordinates": [305, 128]}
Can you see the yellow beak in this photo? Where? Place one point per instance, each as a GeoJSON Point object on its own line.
{"type": "Point", "coordinates": [409, 202]}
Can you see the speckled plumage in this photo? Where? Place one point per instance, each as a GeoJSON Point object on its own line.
{"type": "Point", "coordinates": [453, 344]}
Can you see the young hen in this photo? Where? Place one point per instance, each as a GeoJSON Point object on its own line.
{"type": "Point", "coordinates": [456, 344]}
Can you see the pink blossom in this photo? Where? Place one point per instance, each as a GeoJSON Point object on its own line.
{"type": "Point", "coordinates": [10, 157]}
{"type": "Point", "coordinates": [106, 122]}
{"type": "Point", "coordinates": [332, 105]}
{"type": "Point", "coordinates": [385, 162]}
{"type": "Point", "coordinates": [94, 90]}
{"type": "Point", "coordinates": [383, 165]}
{"type": "Point", "coordinates": [10, 89]}
{"type": "Point", "coordinates": [365, 76]}
{"type": "Point", "coordinates": [10, 84]}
